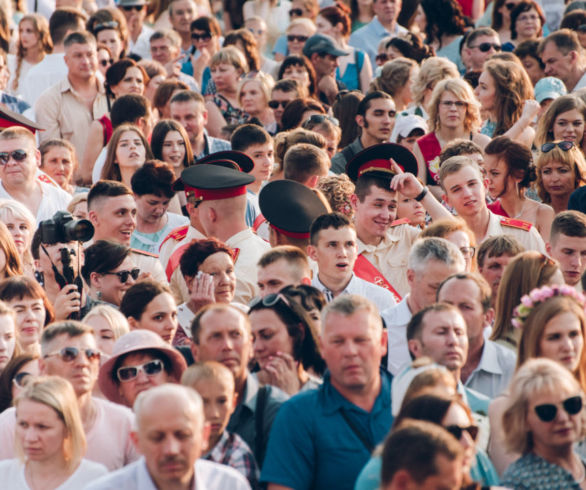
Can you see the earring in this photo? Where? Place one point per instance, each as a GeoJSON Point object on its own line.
{"type": "Point", "coordinates": [99, 295]}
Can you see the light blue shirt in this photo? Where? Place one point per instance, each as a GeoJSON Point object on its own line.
{"type": "Point", "coordinates": [368, 37]}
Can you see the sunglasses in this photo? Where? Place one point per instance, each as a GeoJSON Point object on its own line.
{"type": "Point", "coordinates": [269, 300]}
{"type": "Point", "coordinates": [70, 354]}
{"type": "Point", "coordinates": [320, 118]}
{"type": "Point", "coordinates": [123, 275]}
{"type": "Point", "coordinates": [206, 36]}
{"type": "Point", "coordinates": [295, 13]}
{"type": "Point", "coordinates": [273, 104]}
{"type": "Point", "coordinates": [546, 147]}
{"type": "Point", "coordinates": [22, 379]}
{"type": "Point", "coordinates": [129, 8]}
{"type": "Point", "coordinates": [129, 373]}
{"type": "Point", "coordinates": [300, 39]}
{"type": "Point", "coordinates": [16, 155]}
{"type": "Point", "coordinates": [106, 62]}
{"type": "Point", "coordinates": [485, 47]}
{"type": "Point", "coordinates": [510, 6]}
{"type": "Point", "coordinates": [548, 411]}
{"type": "Point", "coordinates": [382, 57]}
{"type": "Point", "coordinates": [457, 431]}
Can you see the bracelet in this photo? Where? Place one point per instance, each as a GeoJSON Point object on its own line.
{"type": "Point", "coordinates": [422, 194]}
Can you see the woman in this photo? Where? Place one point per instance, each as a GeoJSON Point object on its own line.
{"type": "Point", "coordinates": [410, 210]}
{"type": "Point", "coordinates": [298, 31]}
{"type": "Point", "coordinates": [338, 190]}
{"type": "Point", "coordinates": [127, 150]}
{"type": "Point", "coordinates": [509, 168]}
{"type": "Point", "coordinates": [8, 341]}
{"type": "Point", "coordinates": [109, 271]}
{"type": "Point", "coordinates": [299, 68]}
{"type": "Point", "coordinates": [459, 234]}
{"type": "Point", "coordinates": [10, 263]}
{"type": "Point", "coordinates": [505, 94]}
{"type": "Point", "coordinates": [15, 376]}
{"type": "Point", "coordinates": [59, 161]}
{"type": "Point", "coordinates": [246, 43]}
{"type": "Point", "coordinates": [156, 75]}
{"type": "Point", "coordinates": [124, 77]}
{"type": "Point", "coordinates": [227, 67]}
{"type": "Point", "coordinates": [33, 311]}
{"type": "Point", "coordinates": [105, 59]}
{"type": "Point", "coordinates": [206, 35]}
{"type": "Point", "coordinates": [561, 169]}
{"type": "Point", "coordinates": [170, 143]}
{"type": "Point", "coordinates": [254, 94]}
{"type": "Point", "coordinates": [543, 420]}
{"type": "Point", "coordinates": [409, 45]}
{"type": "Point", "coordinates": [328, 127]}
{"type": "Point", "coordinates": [164, 94]}
{"type": "Point", "coordinates": [527, 21]}
{"type": "Point", "coordinates": [150, 305]}
{"type": "Point", "coordinates": [286, 139]}
{"type": "Point", "coordinates": [21, 224]}
{"type": "Point", "coordinates": [300, 110]}
{"type": "Point", "coordinates": [354, 69]}
{"type": "Point", "coordinates": [108, 25]}
{"type": "Point", "coordinates": [362, 13]}
{"type": "Point", "coordinates": [49, 440]}
{"type": "Point", "coordinates": [453, 113]}
{"type": "Point", "coordinates": [345, 109]}
{"type": "Point", "coordinates": [396, 79]}
{"type": "Point", "coordinates": [108, 324]}
{"type": "Point", "coordinates": [564, 120]}
{"type": "Point", "coordinates": [501, 18]}
{"type": "Point", "coordinates": [140, 360]}
{"type": "Point", "coordinates": [34, 43]}
{"type": "Point", "coordinates": [311, 299]}
{"type": "Point", "coordinates": [525, 272]}
{"type": "Point", "coordinates": [284, 344]}
{"type": "Point", "coordinates": [78, 206]}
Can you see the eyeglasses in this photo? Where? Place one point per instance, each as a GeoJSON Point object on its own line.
{"type": "Point", "coordinates": [129, 8]}
{"type": "Point", "coordinates": [273, 104]}
{"type": "Point", "coordinates": [300, 39]}
{"type": "Point", "coordinates": [269, 300]}
{"type": "Point", "coordinates": [546, 147]}
{"type": "Point", "coordinates": [318, 119]}
{"type": "Point", "coordinates": [106, 62]}
{"type": "Point", "coordinates": [468, 251]}
{"type": "Point", "coordinates": [510, 6]}
{"type": "Point", "coordinates": [485, 47]}
{"type": "Point", "coordinates": [257, 32]}
{"type": "Point", "coordinates": [206, 36]}
{"type": "Point", "coordinates": [16, 155]}
{"type": "Point", "coordinates": [548, 411]}
{"type": "Point", "coordinates": [129, 373]}
{"type": "Point", "coordinates": [123, 275]}
{"type": "Point", "coordinates": [382, 57]}
{"type": "Point", "coordinates": [295, 13]}
{"type": "Point", "coordinates": [106, 25]}
{"type": "Point", "coordinates": [70, 354]}
{"type": "Point", "coordinates": [456, 103]}
{"type": "Point", "coordinates": [457, 431]}
{"type": "Point", "coordinates": [22, 379]}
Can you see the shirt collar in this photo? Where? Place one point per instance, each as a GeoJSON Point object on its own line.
{"type": "Point", "coordinates": [250, 392]}
{"type": "Point", "coordinates": [489, 361]}
{"type": "Point", "coordinates": [145, 481]}
{"type": "Point", "coordinates": [388, 240]}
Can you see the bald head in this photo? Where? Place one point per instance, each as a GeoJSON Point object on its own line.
{"type": "Point", "coordinates": [151, 402]}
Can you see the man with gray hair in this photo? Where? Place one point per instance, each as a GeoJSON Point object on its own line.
{"type": "Point", "coordinates": [480, 45]}
{"type": "Point", "coordinates": [430, 261]}
{"type": "Point", "coordinates": [322, 438]}
{"type": "Point", "coordinates": [563, 57]}
{"type": "Point", "coordinates": [171, 434]}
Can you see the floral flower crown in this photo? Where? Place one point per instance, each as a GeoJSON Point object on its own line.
{"type": "Point", "coordinates": [539, 295]}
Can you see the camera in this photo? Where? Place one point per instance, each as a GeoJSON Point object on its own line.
{"type": "Point", "coordinates": [62, 228]}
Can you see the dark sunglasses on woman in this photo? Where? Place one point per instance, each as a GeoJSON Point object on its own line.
{"type": "Point", "coordinates": [548, 411]}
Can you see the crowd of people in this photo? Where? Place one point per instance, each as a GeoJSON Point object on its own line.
{"type": "Point", "coordinates": [292, 244]}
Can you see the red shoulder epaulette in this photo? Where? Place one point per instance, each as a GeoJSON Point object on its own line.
{"type": "Point", "coordinates": [235, 254]}
{"type": "Point", "coordinates": [46, 179]}
{"type": "Point", "coordinates": [516, 223]}
{"type": "Point", "coordinates": [402, 221]}
{"type": "Point", "coordinates": [177, 234]}
{"type": "Point", "coordinates": [142, 252]}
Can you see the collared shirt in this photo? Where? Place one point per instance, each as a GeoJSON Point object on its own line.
{"type": "Point", "coordinates": [212, 145]}
{"type": "Point", "coordinates": [381, 297]}
{"type": "Point", "coordinates": [208, 476]}
{"type": "Point", "coordinates": [391, 254]}
{"type": "Point", "coordinates": [50, 71]}
{"type": "Point", "coordinates": [312, 446]}
{"type": "Point", "coordinates": [530, 239]}
{"type": "Point", "coordinates": [581, 83]}
{"type": "Point", "coordinates": [494, 371]}
{"type": "Point", "coordinates": [232, 451]}
{"type": "Point", "coordinates": [367, 38]}
{"type": "Point", "coordinates": [142, 46]}
{"type": "Point", "coordinates": [396, 319]}
{"type": "Point", "coordinates": [340, 159]}
{"type": "Point", "coordinates": [64, 114]}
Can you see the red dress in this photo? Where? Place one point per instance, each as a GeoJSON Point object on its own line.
{"type": "Point", "coordinates": [430, 149]}
{"type": "Point", "coordinates": [466, 7]}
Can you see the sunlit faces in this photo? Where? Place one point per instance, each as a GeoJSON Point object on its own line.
{"type": "Point", "coordinates": [111, 39]}
{"type": "Point", "coordinates": [30, 319]}
{"type": "Point", "coordinates": [131, 83]}
{"type": "Point", "coordinates": [282, 98]}
{"type": "Point", "coordinates": [104, 60]}
{"type": "Point", "coordinates": [269, 336]}
{"type": "Point", "coordinates": [476, 57]}
{"type": "Point", "coordinates": [173, 150]}
{"type": "Point", "coordinates": [457, 416]}
{"type": "Point", "coordinates": [7, 339]}
{"type": "Point", "coordinates": [58, 163]}
{"type": "Point", "coordinates": [297, 72]}
{"type": "Point", "coordinates": [324, 26]}
{"type": "Point", "coordinates": [110, 286]}
{"type": "Point", "coordinates": [528, 25]}
{"type": "Point", "coordinates": [296, 37]}
{"type": "Point", "coordinates": [464, 294]}
{"type": "Point", "coordinates": [486, 91]}
{"type": "Point", "coordinates": [263, 156]}
{"type": "Point", "coordinates": [218, 404]}
{"type": "Point", "coordinates": [21, 232]}
{"type": "Point", "coordinates": [498, 176]}
{"type": "Point", "coordinates": [130, 151]}
{"type": "Point", "coordinates": [103, 333]}
{"type": "Point", "coordinates": [335, 253]}
{"type": "Point", "coordinates": [410, 209]}
{"type": "Point", "coordinates": [562, 340]}
{"type": "Point", "coordinates": [81, 60]}
{"type": "Point", "coordinates": [570, 252]}
{"type": "Point", "coordinates": [569, 126]}
{"type": "Point", "coordinates": [28, 36]}
{"type": "Point", "coordinates": [492, 270]}
{"type": "Point", "coordinates": [558, 179]}
{"type": "Point", "coordinates": [225, 76]}
{"type": "Point", "coordinates": [130, 389]}
{"type": "Point", "coordinates": [533, 68]}
{"type": "Point", "coordinates": [464, 191]}
{"type": "Point", "coordinates": [192, 115]}
{"type": "Point", "coordinates": [274, 277]}
{"type": "Point", "coordinates": [221, 267]}
{"type": "Point", "coordinates": [160, 317]}
{"type": "Point", "coordinates": [386, 10]}
{"type": "Point", "coordinates": [151, 208]}
{"type": "Point", "coordinates": [425, 283]}
{"type": "Point", "coordinates": [114, 218]}
{"type": "Point", "coordinates": [252, 98]}
{"type": "Point", "coordinates": [375, 213]}
{"type": "Point", "coordinates": [325, 65]}
{"type": "Point", "coordinates": [557, 64]}
{"type": "Point", "coordinates": [452, 110]}
{"type": "Point", "coordinates": [379, 120]}
{"type": "Point", "coordinates": [15, 173]}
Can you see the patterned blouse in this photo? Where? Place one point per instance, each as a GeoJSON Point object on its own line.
{"type": "Point", "coordinates": [532, 471]}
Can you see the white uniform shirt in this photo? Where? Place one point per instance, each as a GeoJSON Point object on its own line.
{"type": "Point", "coordinates": [396, 319]}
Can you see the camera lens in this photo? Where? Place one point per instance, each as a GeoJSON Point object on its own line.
{"type": "Point", "coordinates": [79, 230]}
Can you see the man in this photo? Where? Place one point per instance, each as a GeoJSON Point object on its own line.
{"type": "Point", "coordinates": [563, 57]}
{"type": "Point", "coordinates": [181, 14]}
{"type": "Point", "coordinates": [375, 117]}
{"type": "Point", "coordinates": [492, 257]}
{"type": "Point", "coordinates": [489, 366]}
{"type": "Point", "coordinates": [430, 261]}
{"type": "Point", "coordinates": [282, 266]}
{"type": "Point", "coordinates": [282, 93]}
{"type": "Point", "coordinates": [323, 53]}
{"type": "Point", "coordinates": [171, 434]}
{"type": "Point", "coordinates": [421, 455]}
{"type": "Point", "coordinates": [68, 350]}
{"type": "Point", "coordinates": [463, 186]}
{"type": "Point", "coordinates": [188, 109]}
{"type": "Point", "coordinates": [67, 109]}
{"type": "Point", "coordinates": [322, 438]}
{"type": "Point", "coordinates": [165, 46]}
{"type": "Point", "coordinates": [384, 24]}
{"type": "Point", "coordinates": [333, 247]}
{"type": "Point", "coordinates": [480, 45]}
{"type": "Point", "coordinates": [19, 162]}
{"type": "Point", "coordinates": [222, 333]}
{"type": "Point", "coordinates": [112, 211]}
{"type": "Point", "coordinates": [139, 34]}
{"type": "Point", "coordinates": [306, 164]}
{"type": "Point", "coordinates": [567, 245]}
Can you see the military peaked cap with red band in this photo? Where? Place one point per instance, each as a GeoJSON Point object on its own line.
{"type": "Point", "coordinates": [212, 182]}
{"type": "Point", "coordinates": [290, 207]}
{"type": "Point", "coordinates": [9, 119]}
{"type": "Point", "coordinates": [377, 159]}
{"type": "Point", "coordinates": [242, 160]}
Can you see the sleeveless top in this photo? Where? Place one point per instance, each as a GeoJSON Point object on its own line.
{"type": "Point", "coordinates": [351, 77]}
{"type": "Point", "coordinates": [107, 129]}
{"type": "Point", "coordinates": [231, 114]}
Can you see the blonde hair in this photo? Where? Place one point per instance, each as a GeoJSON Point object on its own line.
{"type": "Point", "coordinates": [265, 82]}
{"type": "Point", "coordinates": [463, 92]}
{"type": "Point", "coordinates": [432, 71]}
{"type": "Point", "coordinates": [115, 319]}
{"type": "Point", "coordinates": [57, 393]}
{"type": "Point", "coordinates": [338, 189]}
{"type": "Point", "coordinates": [572, 158]}
{"type": "Point", "coordinates": [394, 75]}
{"type": "Point", "coordinates": [302, 22]}
{"type": "Point", "coordinates": [207, 371]}
{"type": "Point", "coordinates": [565, 103]}
{"type": "Point", "coordinates": [77, 198]}
{"type": "Point", "coordinates": [230, 55]}
{"type": "Point", "coordinates": [9, 208]}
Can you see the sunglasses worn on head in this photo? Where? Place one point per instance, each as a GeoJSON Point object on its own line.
{"type": "Point", "coordinates": [457, 431]}
{"type": "Point", "coordinates": [16, 155]}
{"type": "Point", "coordinates": [546, 147]}
{"type": "Point", "coordinates": [295, 13]}
{"type": "Point", "coordinates": [150, 368]}
{"type": "Point", "coordinates": [269, 300]}
{"type": "Point", "coordinates": [548, 411]}
{"type": "Point", "coordinates": [206, 36]}
{"type": "Point", "coordinates": [70, 354]}
{"type": "Point", "coordinates": [123, 275]}
{"type": "Point", "coordinates": [320, 118]}
{"type": "Point", "coordinates": [485, 47]}
{"type": "Point", "coordinates": [299, 39]}
{"type": "Point", "coordinates": [510, 6]}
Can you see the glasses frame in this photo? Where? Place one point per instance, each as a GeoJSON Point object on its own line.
{"type": "Point", "coordinates": [458, 431]}
{"type": "Point", "coordinates": [158, 363]}
{"type": "Point", "coordinates": [123, 275]}
{"type": "Point", "coordinates": [300, 39]}
{"type": "Point", "coordinates": [562, 145]}
{"type": "Point", "coordinates": [70, 354]}
{"type": "Point", "coordinates": [547, 412]}
{"type": "Point", "coordinates": [17, 155]}
{"type": "Point", "coordinates": [485, 47]}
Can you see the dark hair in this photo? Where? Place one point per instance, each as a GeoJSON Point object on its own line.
{"type": "Point", "coordinates": [300, 61]}
{"type": "Point", "coordinates": [309, 296]}
{"type": "Point", "coordinates": [370, 179]}
{"type": "Point", "coordinates": [569, 223]}
{"type": "Point", "coordinates": [325, 221]}
{"type": "Point", "coordinates": [529, 48]}
{"type": "Point", "coordinates": [187, 96]}
{"type": "Point", "coordinates": [117, 71]}
{"type": "Point", "coordinates": [24, 287]}
{"type": "Point", "coordinates": [247, 135]}
{"type": "Point", "coordinates": [573, 20]}
{"type": "Point", "coordinates": [79, 38]}
{"type": "Point", "coordinates": [8, 374]}
{"type": "Point", "coordinates": [497, 17]}
{"type": "Point", "coordinates": [288, 85]}
{"type": "Point", "coordinates": [443, 17]}
{"type": "Point", "coordinates": [103, 256]}
{"type": "Point", "coordinates": [525, 6]}
{"type": "Point", "coordinates": [154, 177]}
{"type": "Point", "coordinates": [166, 90]}
{"type": "Point", "coordinates": [415, 325]}
{"type": "Point", "coordinates": [129, 108]}
{"type": "Point", "coordinates": [338, 14]}
{"type": "Point", "coordinates": [430, 407]}
{"type": "Point", "coordinates": [64, 20]}
{"type": "Point", "coordinates": [139, 295]}
{"type": "Point", "coordinates": [294, 110]}
{"type": "Point", "coordinates": [497, 246]}
{"type": "Point", "coordinates": [249, 46]}
{"type": "Point", "coordinates": [517, 157]}
{"type": "Point", "coordinates": [411, 46]}
{"type": "Point", "coordinates": [196, 253]}
{"type": "Point", "coordinates": [160, 131]}
{"type": "Point", "coordinates": [106, 188]}
{"type": "Point", "coordinates": [207, 24]}
{"type": "Point", "coordinates": [364, 104]}
{"type": "Point", "coordinates": [345, 109]}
